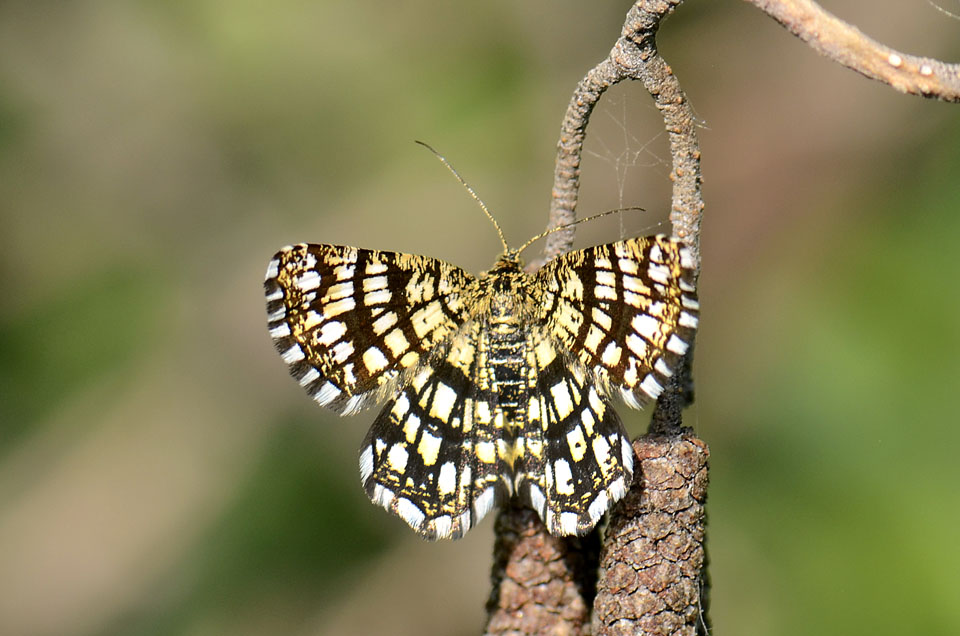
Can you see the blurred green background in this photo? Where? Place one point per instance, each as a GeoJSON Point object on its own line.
{"type": "Point", "coordinates": [160, 474]}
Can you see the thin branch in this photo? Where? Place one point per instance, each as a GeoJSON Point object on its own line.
{"type": "Point", "coordinates": [527, 557]}
{"type": "Point", "coordinates": [566, 175]}
{"type": "Point", "coordinates": [843, 43]}
{"type": "Point", "coordinates": [646, 586]}
{"type": "Point", "coordinates": [633, 56]}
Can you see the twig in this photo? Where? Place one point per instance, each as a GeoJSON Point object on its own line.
{"type": "Point", "coordinates": [843, 43]}
{"type": "Point", "coordinates": [652, 579]}
{"type": "Point", "coordinates": [647, 586]}
{"type": "Point", "coordinates": [633, 56]}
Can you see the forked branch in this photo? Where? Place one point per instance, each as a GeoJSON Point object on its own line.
{"type": "Point", "coordinates": [537, 605]}
{"type": "Point", "coordinates": [633, 56]}
{"type": "Point", "coordinates": [653, 574]}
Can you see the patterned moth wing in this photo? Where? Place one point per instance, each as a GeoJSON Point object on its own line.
{"type": "Point", "coordinates": [498, 385]}
{"type": "Point", "coordinates": [434, 455]}
{"type": "Point", "coordinates": [574, 457]}
{"type": "Point", "coordinates": [616, 319]}
{"type": "Point", "coordinates": [628, 311]}
{"type": "Point", "coordinates": [350, 322]}
{"type": "Point", "coordinates": [356, 326]}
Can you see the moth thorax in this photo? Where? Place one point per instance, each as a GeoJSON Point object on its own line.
{"type": "Point", "coordinates": [505, 295]}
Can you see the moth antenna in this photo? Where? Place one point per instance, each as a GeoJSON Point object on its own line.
{"type": "Point", "coordinates": [577, 222]}
{"type": "Point", "coordinates": [483, 206]}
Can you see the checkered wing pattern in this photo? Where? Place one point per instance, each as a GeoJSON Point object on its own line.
{"type": "Point", "coordinates": [351, 322]}
{"type": "Point", "coordinates": [573, 457]}
{"type": "Point", "coordinates": [495, 386]}
{"type": "Point", "coordinates": [627, 311]}
{"type": "Point", "coordinates": [434, 455]}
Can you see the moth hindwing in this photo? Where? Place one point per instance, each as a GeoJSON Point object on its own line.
{"type": "Point", "coordinates": [495, 386]}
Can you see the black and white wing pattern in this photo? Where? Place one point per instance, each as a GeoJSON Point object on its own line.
{"type": "Point", "coordinates": [495, 386]}
{"type": "Point", "coordinates": [435, 455]}
{"type": "Point", "coordinates": [627, 311]}
{"type": "Point", "coordinates": [574, 458]}
{"type": "Point", "coordinates": [349, 322]}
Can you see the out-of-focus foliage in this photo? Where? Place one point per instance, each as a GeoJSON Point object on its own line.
{"type": "Point", "coordinates": [160, 474]}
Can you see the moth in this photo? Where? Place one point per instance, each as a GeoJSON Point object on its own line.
{"type": "Point", "coordinates": [495, 386]}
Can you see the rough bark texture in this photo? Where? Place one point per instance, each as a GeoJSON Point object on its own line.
{"type": "Point", "coordinates": [541, 584]}
{"type": "Point", "coordinates": [652, 563]}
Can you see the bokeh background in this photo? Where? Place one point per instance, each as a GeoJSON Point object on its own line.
{"type": "Point", "coordinates": [159, 472]}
